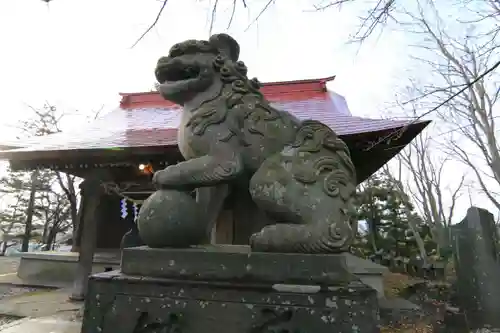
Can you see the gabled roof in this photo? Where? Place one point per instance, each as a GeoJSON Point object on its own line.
{"type": "Point", "coordinates": [10, 144]}
{"type": "Point", "coordinates": [147, 120]}
{"type": "Point", "coordinates": [13, 144]}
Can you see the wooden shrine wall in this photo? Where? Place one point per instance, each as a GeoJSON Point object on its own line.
{"type": "Point", "coordinates": [110, 225]}
{"type": "Point", "coordinates": [238, 220]}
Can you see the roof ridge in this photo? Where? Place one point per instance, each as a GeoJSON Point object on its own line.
{"type": "Point", "coordinates": [321, 81]}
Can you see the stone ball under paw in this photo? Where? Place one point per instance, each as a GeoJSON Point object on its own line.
{"type": "Point", "coordinates": [170, 218]}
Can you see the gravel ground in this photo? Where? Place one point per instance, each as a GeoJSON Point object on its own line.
{"type": "Point", "coordinates": [74, 315]}
{"type": "Point", "coordinates": [8, 265]}
{"type": "Point", "coordinates": [5, 320]}
{"type": "Point", "coordinates": [7, 291]}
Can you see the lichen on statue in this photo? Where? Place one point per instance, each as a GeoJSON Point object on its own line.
{"type": "Point", "coordinates": [298, 172]}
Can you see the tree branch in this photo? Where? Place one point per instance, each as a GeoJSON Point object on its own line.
{"type": "Point", "coordinates": [164, 4]}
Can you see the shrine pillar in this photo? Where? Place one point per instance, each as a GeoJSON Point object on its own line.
{"type": "Point", "coordinates": [91, 192]}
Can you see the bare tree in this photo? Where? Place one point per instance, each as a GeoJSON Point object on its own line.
{"type": "Point", "coordinates": [46, 121]}
{"type": "Point", "coordinates": [378, 13]}
{"type": "Point", "coordinates": [462, 68]}
{"type": "Point", "coordinates": [55, 213]}
{"type": "Point", "coordinates": [436, 200]}
{"type": "Point", "coordinates": [67, 183]}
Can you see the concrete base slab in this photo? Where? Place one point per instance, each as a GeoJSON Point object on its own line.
{"type": "Point", "coordinates": [8, 264]}
{"type": "Point", "coordinates": [42, 325]}
{"type": "Point", "coordinates": [12, 279]}
{"type": "Point", "coordinates": [59, 268]}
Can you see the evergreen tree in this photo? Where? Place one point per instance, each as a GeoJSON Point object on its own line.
{"type": "Point", "coordinates": [57, 198]}
{"type": "Point", "coordinates": [386, 210]}
{"type": "Point", "coordinates": [370, 206]}
{"type": "Point", "coordinates": [47, 215]}
{"type": "Point", "coordinates": [15, 188]}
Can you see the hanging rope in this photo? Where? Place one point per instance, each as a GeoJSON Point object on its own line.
{"type": "Point", "coordinates": [113, 188]}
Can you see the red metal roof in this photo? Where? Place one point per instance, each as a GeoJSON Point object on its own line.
{"type": "Point", "coordinates": [145, 119]}
{"type": "Point", "coordinates": [274, 91]}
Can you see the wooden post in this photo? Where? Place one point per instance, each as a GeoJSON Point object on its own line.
{"type": "Point", "coordinates": [247, 217]}
{"type": "Point", "coordinates": [91, 192]}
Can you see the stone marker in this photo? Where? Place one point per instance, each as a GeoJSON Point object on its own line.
{"type": "Point", "coordinates": [475, 242]}
{"type": "Point", "coordinates": [293, 277]}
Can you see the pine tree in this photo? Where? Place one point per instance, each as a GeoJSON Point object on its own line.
{"type": "Point", "coordinates": [399, 238]}
{"type": "Point", "coordinates": [371, 200]}
{"type": "Point", "coordinates": [57, 196]}
{"type": "Point", "coordinates": [15, 189]}
{"type": "Point", "coordinates": [386, 210]}
{"type": "Point", "coordinates": [48, 215]}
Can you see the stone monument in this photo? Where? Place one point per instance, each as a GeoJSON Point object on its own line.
{"type": "Point", "coordinates": [293, 276]}
{"type": "Point", "coordinates": [477, 264]}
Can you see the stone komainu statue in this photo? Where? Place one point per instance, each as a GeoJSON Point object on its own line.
{"type": "Point", "coordinates": [299, 172]}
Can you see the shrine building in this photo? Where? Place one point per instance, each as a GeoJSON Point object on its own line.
{"type": "Point", "coordinates": [140, 136]}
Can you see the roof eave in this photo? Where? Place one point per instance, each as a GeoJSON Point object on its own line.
{"type": "Point", "coordinates": [10, 145]}
{"type": "Point", "coordinates": [4, 147]}
{"type": "Point", "coordinates": [355, 141]}
{"type": "Point", "coordinates": [380, 153]}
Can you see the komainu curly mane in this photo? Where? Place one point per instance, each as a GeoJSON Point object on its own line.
{"type": "Point", "coordinates": [240, 96]}
{"type": "Point", "coordinates": [298, 172]}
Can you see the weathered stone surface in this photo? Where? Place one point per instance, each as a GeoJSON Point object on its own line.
{"type": "Point", "coordinates": [299, 173]}
{"type": "Point", "coordinates": [170, 219]}
{"type": "Point", "coordinates": [235, 263]}
{"type": "Point", "coordinates": [131, 238]}
{"type": "Point", "coordinates": [478, 268]}
{"type": "Point", "coordinates": [370, 273]}
{"type": "Point", "coordinates": [123, 304]}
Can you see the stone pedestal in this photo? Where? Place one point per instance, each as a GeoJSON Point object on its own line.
{"type": "Point", "coordinates": [229, 290]}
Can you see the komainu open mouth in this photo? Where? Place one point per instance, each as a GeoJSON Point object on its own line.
{"type": "Point", "coordinates": [183, 77]}
{"type": "Point", "coordinates": [175, 71]}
